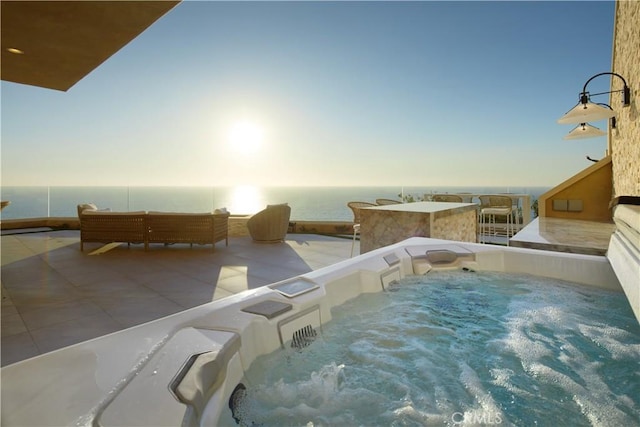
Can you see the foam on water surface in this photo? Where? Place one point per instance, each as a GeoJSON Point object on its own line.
{"type": "Point", "coordinates": [456, 348]}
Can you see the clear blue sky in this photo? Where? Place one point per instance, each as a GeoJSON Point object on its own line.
{"type": "Point", "coordinates": [337, 93]}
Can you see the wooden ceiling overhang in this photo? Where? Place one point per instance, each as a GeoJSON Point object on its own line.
{"type": "Point", "coordinates": [60, 42]}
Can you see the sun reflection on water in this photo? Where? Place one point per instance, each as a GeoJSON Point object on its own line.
{"type": "Point", "coordinates": [246, 199]}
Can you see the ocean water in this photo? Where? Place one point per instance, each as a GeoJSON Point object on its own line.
{"type": "Point", "coordinates": [307, 203]}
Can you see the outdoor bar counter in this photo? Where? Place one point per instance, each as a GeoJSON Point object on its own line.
{"type": "Point", "coordinates": [384, 225]}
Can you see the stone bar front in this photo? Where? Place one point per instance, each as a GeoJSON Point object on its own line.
{"type": "Point", "coordinates": [385, 225]}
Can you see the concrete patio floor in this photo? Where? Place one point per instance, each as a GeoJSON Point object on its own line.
{"type": "Point", "coordinates": [54, 296]}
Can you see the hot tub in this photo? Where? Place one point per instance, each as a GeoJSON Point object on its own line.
{"type": "Point", "coordinates": [182, 369]}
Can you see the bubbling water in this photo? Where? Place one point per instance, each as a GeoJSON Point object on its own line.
{"type": "Point", "coordinates": [456, 348]}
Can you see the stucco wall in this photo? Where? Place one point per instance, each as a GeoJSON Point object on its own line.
{"type": "Point", "coordinates": [593, 191]}
{"type": "Point", "coordinates": [625, 139]}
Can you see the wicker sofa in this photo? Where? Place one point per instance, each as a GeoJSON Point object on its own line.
{"type": "Point", "coordinates": [103, 226]}
{"type": "Point", "coordinates": [200, 228]}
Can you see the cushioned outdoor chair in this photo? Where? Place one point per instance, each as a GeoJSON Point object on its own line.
{"type": "Point", "coordinates": [271, 224]}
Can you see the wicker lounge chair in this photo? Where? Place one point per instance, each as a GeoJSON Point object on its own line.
{"type": "Point", "coordinates": [271, 224]}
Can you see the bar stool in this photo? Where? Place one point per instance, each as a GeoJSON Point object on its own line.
{"type": "Point", "coordinates": [447, 198]}
{"type": "Point", "coordinates": [516, 214]}
{"type": "Point", "coordinates": [355, 208]}
{"type": "Point", "coordinates": [383, 202]}
{"type": "Point", "coordinates": [490, 207]}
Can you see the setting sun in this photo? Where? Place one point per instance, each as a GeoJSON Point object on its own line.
{"type": "Point", "coordinates": [246, 137]}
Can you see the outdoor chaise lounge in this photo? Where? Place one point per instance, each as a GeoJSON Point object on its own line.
{"type": "Point", "coordinates": [104, 226]}
{"type": "Point", "coordinates": [270, 225]}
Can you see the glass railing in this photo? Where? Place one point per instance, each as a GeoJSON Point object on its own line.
{"type": "Point", "coordinates": [307, 203]}
{"type": "Point", "coordinates": [35, 202]}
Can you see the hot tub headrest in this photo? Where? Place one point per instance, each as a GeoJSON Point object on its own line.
{"type": "Point", "coordinates": [202, 374]}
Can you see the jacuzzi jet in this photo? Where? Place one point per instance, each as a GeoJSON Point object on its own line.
{"type": "Point", "coordinates": [303, 337]}
{"type": "Point", "coordinates": [235, 402]}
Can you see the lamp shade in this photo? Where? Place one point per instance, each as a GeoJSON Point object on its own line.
{"type": "Point", "coordinates": [584, 130]}
{"type": "Point", "coordinates": [588, 112]}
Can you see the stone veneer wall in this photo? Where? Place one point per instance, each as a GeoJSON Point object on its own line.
{"type": "Point", "coordinates": [463, 227]}
{"type": "Point", "coordinates": [625, 139]}
{"type": "Point", "coordinates": [382, 227]}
